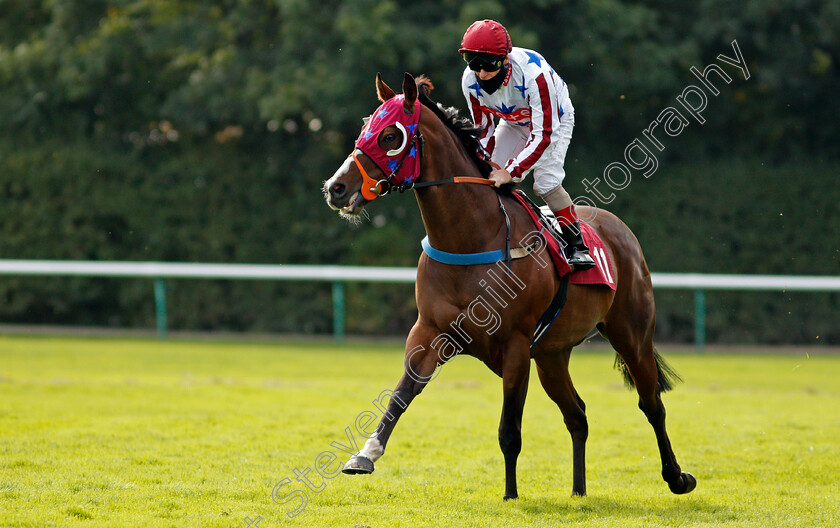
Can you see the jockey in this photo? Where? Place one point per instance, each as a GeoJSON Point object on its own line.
{"type": "Point", "coordinates": [536, 120]}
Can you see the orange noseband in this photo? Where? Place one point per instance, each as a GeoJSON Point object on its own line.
{"type": "Point", "coordinates": [371, 189]}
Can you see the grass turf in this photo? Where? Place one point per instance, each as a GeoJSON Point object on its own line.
{"type": "Point", "coordinates": [100, 432]}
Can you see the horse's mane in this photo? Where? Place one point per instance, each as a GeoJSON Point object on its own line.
{"type": "Point", "coordinates": [464, 129]}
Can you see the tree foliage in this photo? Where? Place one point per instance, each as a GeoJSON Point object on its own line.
{"type": "Point", "coordinates": [182, 130]}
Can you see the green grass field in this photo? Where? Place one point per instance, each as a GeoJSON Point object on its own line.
{"type": "Point", "coordinates": [101, 432]}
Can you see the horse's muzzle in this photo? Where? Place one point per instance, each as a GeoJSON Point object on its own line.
{"type": "Point", "coordinates": [337, 192]}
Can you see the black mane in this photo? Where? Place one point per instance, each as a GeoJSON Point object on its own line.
{"type": "Point", "coordinates": [463, 127]}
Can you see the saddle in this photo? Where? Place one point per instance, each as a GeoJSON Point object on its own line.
{"type": "Point", "coordinates": [549, 227]}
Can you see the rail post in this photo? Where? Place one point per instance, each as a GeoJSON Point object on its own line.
{"type": "Point", "coordinates": [338, 311]}
{"type": "Point", "coordinates": [160, 307]}
{"type": "Point", "coordinates": [699, 319]}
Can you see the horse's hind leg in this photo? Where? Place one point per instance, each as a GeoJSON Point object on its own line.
{"type": "Point", "coordinates": [630, 332]}
{"type": "Point", "coordinates": [554, 376]}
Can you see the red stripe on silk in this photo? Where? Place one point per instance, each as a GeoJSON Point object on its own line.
{"type": "Point", "coordinates": [491, 144]}
{"type": "Point", "coordinates": [545, 140]}
{"type": "Point", "coordinates": [477, 113]}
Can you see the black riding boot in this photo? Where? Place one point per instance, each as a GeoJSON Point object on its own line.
{"type": "Point", "coordinates": [576, 251]}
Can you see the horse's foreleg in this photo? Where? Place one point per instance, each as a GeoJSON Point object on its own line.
{"type": "Point", "coordinates": [515, 370]}
{"type": "Point", "coordinates": [421, 361]}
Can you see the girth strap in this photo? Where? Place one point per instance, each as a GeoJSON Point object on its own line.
{"type": "Point", "coordinates": [553, 310]}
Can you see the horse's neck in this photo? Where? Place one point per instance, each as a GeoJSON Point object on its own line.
{"type": "Point", "coordinates": [463, 217]}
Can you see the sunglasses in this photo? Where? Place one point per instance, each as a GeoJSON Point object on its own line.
{"type": "Point", "coordinates": [488, 63]}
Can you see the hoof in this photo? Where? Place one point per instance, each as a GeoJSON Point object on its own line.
{"type": "Point", "coordinates": [511, 497]}
{"type": "Point", "coordinates": [684, 484]}
{"type": "Point", "coordinates": [358, 465]}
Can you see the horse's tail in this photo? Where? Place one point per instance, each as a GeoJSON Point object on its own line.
{"type": "Point", "coordinates": [667, 376]}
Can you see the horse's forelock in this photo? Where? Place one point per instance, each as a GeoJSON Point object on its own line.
{"type": "Point", "coordinates": [424, 84]}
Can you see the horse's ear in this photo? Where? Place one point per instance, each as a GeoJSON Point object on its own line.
{"type": "Point", "coordinates": [410, 92]}
{"type": "Point", "coordinates": [383, 91]}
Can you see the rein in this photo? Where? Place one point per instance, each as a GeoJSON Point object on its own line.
{"type": "Point", "coordinates": [460, 179]}
{"type": "Point", "coordinates": [454, 179]}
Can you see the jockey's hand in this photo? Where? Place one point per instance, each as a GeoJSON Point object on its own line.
{"type": "Point", "coordinates": [500, 177]}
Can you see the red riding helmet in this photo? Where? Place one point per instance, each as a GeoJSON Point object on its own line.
{"type": "Point", "coordinates": [486, 36]}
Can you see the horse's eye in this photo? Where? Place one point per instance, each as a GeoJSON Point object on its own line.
{"type": "Point", "coordinates": [390, 137]}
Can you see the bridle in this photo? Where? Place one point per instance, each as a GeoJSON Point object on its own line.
{"type": "Point", "coordinates": [373, 189]}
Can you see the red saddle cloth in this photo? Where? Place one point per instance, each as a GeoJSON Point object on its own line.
{"type": "Point", "coordinates": [602, 273]}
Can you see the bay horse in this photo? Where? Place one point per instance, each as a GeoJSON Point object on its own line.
{"type": "Point", "coordinates": [467, 218]}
